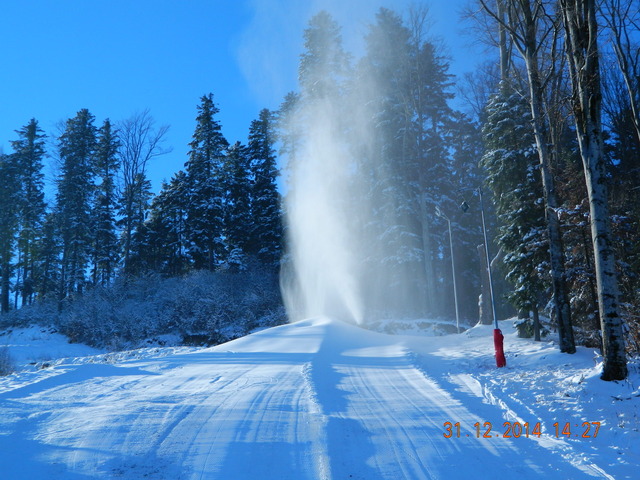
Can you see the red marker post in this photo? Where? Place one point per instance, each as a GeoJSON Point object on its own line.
{"type": "Point", "coordinates": [498, 343]}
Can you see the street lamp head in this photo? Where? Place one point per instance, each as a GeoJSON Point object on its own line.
{"type": "Point", "coordinates": [464, 206]}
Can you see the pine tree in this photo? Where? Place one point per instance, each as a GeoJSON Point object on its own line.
{"type": "Point", "coordinates": [266, 231]}
{"type": "Point", "coordinates": [105, 240]}
{"type": "Point", "coordinates": [48, 262]}
{"type": "Point", "coordinates": [510, 160]}
{"type": "Point", "coordinates": [73, 200]}
{"type": "Point", "coordinates": [165, 230]}
{"type": "Point", "coordinates": [237, 221]}
{"type": "Point", "coordinates": [9, 224]}
{"type": "Point", "coordinates": [29, 153]}
{"type": "Point", "coordinates": [205, 194]}
{"type": "Point", "coordinates": [409, 165]}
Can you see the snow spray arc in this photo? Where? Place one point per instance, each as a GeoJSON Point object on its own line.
{"type": "Point", "coordinates": [356, 234]}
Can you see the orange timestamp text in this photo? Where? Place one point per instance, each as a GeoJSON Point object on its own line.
{"type": "Point", "coordinates": [522, 430]}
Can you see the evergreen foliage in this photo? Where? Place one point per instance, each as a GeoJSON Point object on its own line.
{"type": "Point", "coordinates": [511, 162]}
{"type": "Point", "coordinates": [29, 154]}
{"type": "Point", "coordinates": [9, 224]}
{"type": "Point", "coordinates": [266, 222]}
{"type": "Point", "coordinates": [238, 203]}
{"type": "Point", "coordinates": [77, 146]}
{"type": "Point", "coordinates": [105, 240]}
{"type": "Point", "coordinates": [205, 193]}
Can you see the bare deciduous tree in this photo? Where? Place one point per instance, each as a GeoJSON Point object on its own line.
{"type": "Point", "coordinates": [622, 18]}
{"type": "Point", "coordinates": [141, 141]}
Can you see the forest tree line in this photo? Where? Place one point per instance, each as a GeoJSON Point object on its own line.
{"type": "Point", "coordinates": [105, 223]}
{"type": "Point", "coordinates": [540, 115]}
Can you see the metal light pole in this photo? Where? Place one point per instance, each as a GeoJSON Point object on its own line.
{"type": "Point", "coordinates": [440, 213]}
{"type": "Point", "coordinates": [498, 338]}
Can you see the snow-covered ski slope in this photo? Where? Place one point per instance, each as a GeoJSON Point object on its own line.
{"type": "Point", "coordinates": [320, 399]}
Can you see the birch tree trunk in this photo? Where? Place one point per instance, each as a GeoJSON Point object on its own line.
{"type": "Point", "coordinates": [581, 30]}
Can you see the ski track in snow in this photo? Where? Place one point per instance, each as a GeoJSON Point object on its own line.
{"type": "Point", "coordinates": [318, 399]}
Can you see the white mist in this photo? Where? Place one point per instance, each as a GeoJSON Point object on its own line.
{"type": "Point", "coordinates": [321, 241]}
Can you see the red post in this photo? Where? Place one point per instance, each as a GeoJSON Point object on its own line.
{"type": "Point", "coordinates": [498, 343]}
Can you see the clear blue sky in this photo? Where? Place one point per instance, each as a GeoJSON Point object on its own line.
{"type": "Point", "coordinates": [116, 57]}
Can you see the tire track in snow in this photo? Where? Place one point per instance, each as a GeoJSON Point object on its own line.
{"type": "Point", "coordinates": [385, 418]}
{"type": "Point", "coordinates": [314, 400]}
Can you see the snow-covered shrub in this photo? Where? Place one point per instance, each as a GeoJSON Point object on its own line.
{"type": "Point", "coordinates": [6, 364]}
{"type": "Point", "coordinates": [44, 312]}
{"type": "Point", "coordinates": [201, 308]}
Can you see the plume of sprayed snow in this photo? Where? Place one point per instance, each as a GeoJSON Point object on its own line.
{"type": "Point", "coordinates": [335, 269]}
{"type": "Point", "coordinates": [321, 241]}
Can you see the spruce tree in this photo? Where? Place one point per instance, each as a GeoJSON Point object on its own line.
{"type": "Point", "coordinates": [9, 223]}
{"type": "Point", "coordinates": [105, 240]}
{"type": "Point", "coordinates": [29, 152]}
{"type": "Point", "coordinates": [238, 222]}
{"type": "Point", "coordinates": [205, 192]}
{"type": "Point", "coordinates": [266, 230]}
{"type": "Point", "coordinates": [165, 230]}
{"type": "Point", "coordinates": [408, 167]}
{"type": "Point", "coordinates": [48, 262]}
{"type": "Point", "coordinates": [77, 147]}
{"type": "Point", "coordinates": [510, 160]}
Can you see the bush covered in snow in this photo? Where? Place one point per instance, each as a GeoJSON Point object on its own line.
{"type": "Point", "coordinates": [6, 363]}
{"type": "Point", "coordinates": [200, 308]}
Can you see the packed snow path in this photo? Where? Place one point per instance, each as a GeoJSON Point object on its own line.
{"type": "Point", "coordinates": [318, 399]}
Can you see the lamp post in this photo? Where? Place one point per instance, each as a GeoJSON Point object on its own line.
{"type": "Point", "coordinates": [440, 213]}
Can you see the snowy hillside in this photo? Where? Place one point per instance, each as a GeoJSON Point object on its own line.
{"type": "Point", "coordinates": [317, 399]}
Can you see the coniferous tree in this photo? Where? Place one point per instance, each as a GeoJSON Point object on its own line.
{"type": "Point", "coordinates": [9, 223]}
{"type": "Point", "coordinates": [510, 160]}
{"type": "Point", "coordinates": [237, 218]}
{"type": "Point", "coordinates": [466, 145]}
{"type": "Point", "coordinates": [48, 262]}
{"type": "Point", "coordinates": [408, 102]}
{"type": "Point", "coordinates": [105, 240]}
{"type": "Point", "coordinates": [29, 153]}
{"type": "Point", "coordinates": [205, 193]}
{"type": "Point", "coordinates": [73, 200]}
{"type": "Point", "coordinates": [394, 229]}
{"type": "Point", "coordinates": [165, 231]}
{"type": "Point", "coordinates": [266, 230]}
{"type": "Point", "coordinates": [532, 32]}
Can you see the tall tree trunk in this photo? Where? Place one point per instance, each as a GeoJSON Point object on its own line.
{"type": "Point", "coordinates": [581, 29]}
{"type": "Point", "coordinates": [561, 304]}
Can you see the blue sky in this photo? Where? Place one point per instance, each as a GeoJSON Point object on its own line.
{"type": "Point", "coordinates": [116, 57]}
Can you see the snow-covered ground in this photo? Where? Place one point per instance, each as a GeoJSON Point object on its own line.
{"type": "Point", "coordinates": [318, 399]}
